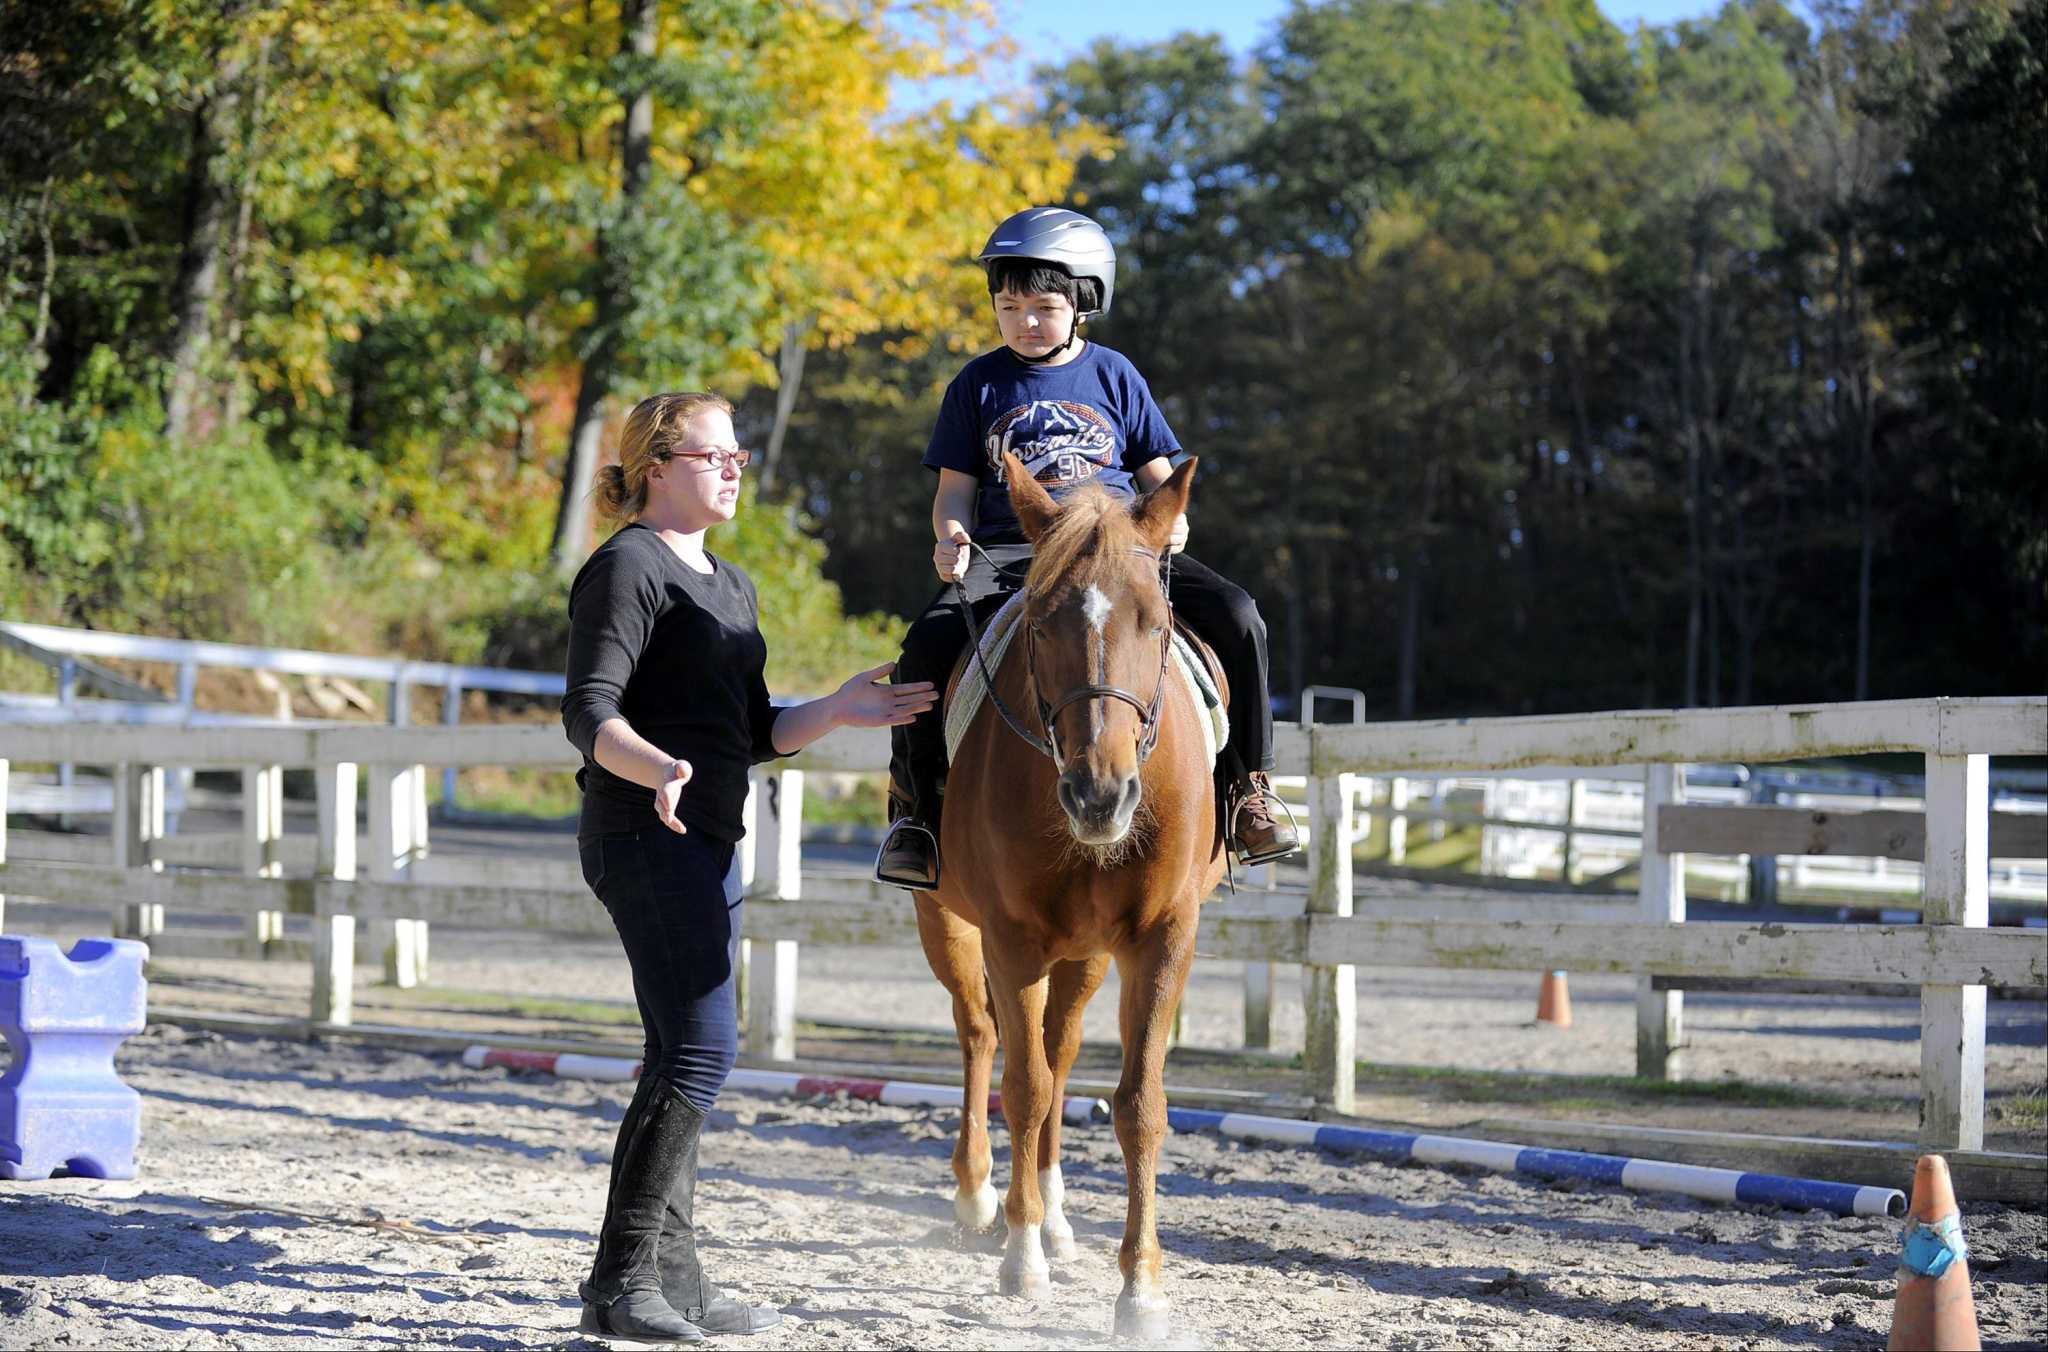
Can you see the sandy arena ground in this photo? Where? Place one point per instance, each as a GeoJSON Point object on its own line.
{"type": "Point", "coordinates": [295, 1195]}
{"type": "Point", "coordinates": [344, 1195]}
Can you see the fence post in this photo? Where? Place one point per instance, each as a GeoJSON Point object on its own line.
{"type": "Point", "coordinates": [262, 830]}
{"type": "Point", "coordinates": [391, 855]}
{"type": "Point", "coordinates": [1957, 892]}
{"type": "Point", "coordinates": [1660, 900]}
{"type": "Point", "coordinates": [778, 872]}
{"type": "Point", "coordinates": [1397, 820]}
{"type": "Point", "coordinates": [1330, 993]}
{"type": "Point", "coordinates": [1763, 868]}
{"type": "Point", "coordinates": [334, 933]}
{"type": "Point", "coordinates": [138, 815]}
{"type": "Point", "coordinates": [451, 714]}
{"type": "Point", "coordinates": [1574, 805]}
{"type": "Point", "coordinates": [137, 826]}
{"type": "Point", "coordinates": [1258, 978]}
{"type": "Point", "coordinates": [67, 695]}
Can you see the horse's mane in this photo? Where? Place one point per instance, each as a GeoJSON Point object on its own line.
{"type": "Point", "coordinates": [1092, 534]}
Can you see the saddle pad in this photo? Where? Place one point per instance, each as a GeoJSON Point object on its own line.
{"type": "Point", "coordinates": [995, 641]}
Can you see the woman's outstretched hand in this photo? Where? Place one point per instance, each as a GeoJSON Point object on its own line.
{"type": "Point", "coordinates": [866, 702]}
{"type": "Point", "coordinates": [670, 793]}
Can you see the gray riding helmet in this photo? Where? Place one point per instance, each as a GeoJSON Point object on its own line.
{"type": "Point", "coordinates": [1067, 238]}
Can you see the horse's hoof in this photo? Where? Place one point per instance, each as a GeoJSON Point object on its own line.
{"type": "Point", "coordinates": [968, 1240]}
{"type": "Point", "coordinates": [1060, 1245]}
{"type": "Point", "coordinates": [1032, 1283]}
{"type": "Point", "coordinates": [1146, 1317]}
{"type": "Point", "coordinates": [976, 1210]}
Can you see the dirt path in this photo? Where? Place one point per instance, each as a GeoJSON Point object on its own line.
{"type": "Point", "coordinates": [294, 1194]}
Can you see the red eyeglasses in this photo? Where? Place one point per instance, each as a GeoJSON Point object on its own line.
{"type": "Point", "coordinates": [717, 459]}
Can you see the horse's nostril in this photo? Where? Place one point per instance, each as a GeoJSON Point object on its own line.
{"type": "Point", "coordinates": [1070, 801]}
{"type": "Point", "coordinates": [1127, 801]}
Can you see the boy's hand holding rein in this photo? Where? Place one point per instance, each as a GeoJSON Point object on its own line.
{"type": "Point", "coordinates": [950, 556]}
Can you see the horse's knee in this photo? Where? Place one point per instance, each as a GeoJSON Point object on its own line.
{"type": "Point", "coordinates": [1133, 1108]}
{"type": "Point", "coordinates": [977, 1028]}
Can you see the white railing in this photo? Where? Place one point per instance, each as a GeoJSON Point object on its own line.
{"type": "Point", "coordinates": [68, 652]}
{"type": "Point", "coordinates": [1952, 956]}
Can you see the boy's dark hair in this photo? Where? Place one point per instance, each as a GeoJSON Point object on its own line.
{"type": "Point", "coordinates": [1029, 277]}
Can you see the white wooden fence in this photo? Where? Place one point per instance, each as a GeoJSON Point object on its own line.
{"type": "Point", "coordinates": [1952, 956]}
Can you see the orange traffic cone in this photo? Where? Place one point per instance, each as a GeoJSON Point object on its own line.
{"type": "Point", "coordinates": [1554, 1001]}
{"type": "Point", "coordinates": [1933, 1311]}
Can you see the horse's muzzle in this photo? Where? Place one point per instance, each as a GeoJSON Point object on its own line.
{"type": "Point", "coordinates": [1099, 810]}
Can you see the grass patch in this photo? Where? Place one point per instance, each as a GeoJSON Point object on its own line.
{"type": "Point", "coordinates": [2024, 1112]}
{"type": "Point", "coordinates": [560, 1010]}
{"type": "Point", "coordinates": [1586, 1092]}
{"type": "Point", "coordinates": [512, 790]}
{"type": "Point", "coordinates": [1458, 851]}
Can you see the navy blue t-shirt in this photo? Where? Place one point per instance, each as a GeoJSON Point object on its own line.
{"type": "Point", "coordinates": [1091, 421]}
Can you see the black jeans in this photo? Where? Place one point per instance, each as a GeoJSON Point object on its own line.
{"type": "Point", "coordinates": [1216, 608]}
{"type": "Point", "coordinates": [667, 896]}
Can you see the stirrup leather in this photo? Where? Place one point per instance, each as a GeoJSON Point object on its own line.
{"type": "Point", "coordinates": [910, 824]}
{"type": "Point", "coordinates": [1265, 856]}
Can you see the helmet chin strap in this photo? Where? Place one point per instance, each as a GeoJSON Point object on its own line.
{"type": "Point", "coordinates": [1073, 332]}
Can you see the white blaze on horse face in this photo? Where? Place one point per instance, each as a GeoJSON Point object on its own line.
{"type": "Point", "coordinates": [1096, 607]}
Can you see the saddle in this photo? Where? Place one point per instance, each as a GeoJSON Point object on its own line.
{"type": "Point", "coordinates": [1193, 664]}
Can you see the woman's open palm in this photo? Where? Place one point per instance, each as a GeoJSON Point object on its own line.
{"type": "Point", "coordinates": [866, 702]}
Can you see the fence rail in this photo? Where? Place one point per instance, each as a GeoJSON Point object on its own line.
{"type": "Point", "coordinates": [1952, 957]}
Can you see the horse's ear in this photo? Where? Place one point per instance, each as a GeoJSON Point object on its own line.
{"type": "Point", "coordinates": [1034, 506]}
{"type": "Point", "coordinates": [1155, 511]}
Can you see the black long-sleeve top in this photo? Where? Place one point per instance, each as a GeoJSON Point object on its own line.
{"type": "Point", "coordinates": [678, 654]}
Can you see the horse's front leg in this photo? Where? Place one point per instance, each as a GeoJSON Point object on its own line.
{"type": "Point", "coordinates": [953, 948]}
{"type": "Point", "coordinates": [1154, 971]}
{"type": "Point", "coordinates": [1019, 990]}
{"type": "Point", "coordinates": [1073, 985]}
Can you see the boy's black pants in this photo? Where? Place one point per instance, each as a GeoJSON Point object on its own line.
{"type": "Point", "coordinates": [1216, 608]}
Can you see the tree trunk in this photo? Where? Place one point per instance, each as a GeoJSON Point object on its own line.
{"type": "Point", "coordinates": [640, 22]}
{"type": "Point", "coordinates": [790, 367]}
{"type": "Point", "coordinates": [1411, 602]}
{"type": "Point", "coordinates": [195, 295]}
{"type": "Point", "coordinates": [238, 247]}
{"type": "Point", "coordinates": [1864, 560]}
{"type": "Point", "coordinates": [39, 339]}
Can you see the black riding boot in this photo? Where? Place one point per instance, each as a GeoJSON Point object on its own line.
{"type": "Point", "coordinates": [909, 856]}
{"type": "Point", "coordinates": [683, 1283]}
{"type": "Point", "coordinates": [622, 1297]}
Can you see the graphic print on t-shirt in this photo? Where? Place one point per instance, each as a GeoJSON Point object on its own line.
{"type": "Point", "coordinates": [1060, 441]}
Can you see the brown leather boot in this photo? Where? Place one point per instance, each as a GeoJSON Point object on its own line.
{"type": "Point", "coordinates": [1259, 831]}
{"type": "Point", "coordinates": [909, 857]}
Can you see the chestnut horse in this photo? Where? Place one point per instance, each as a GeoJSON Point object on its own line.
{"type": "Point", "coordinates": [1080, 826]}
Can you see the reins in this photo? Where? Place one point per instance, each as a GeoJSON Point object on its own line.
{"type": "Point", "coordinates": [1047, 744]}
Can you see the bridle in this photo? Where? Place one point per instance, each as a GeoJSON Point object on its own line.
{"type": "Point", "coordinates": [1048, 743]}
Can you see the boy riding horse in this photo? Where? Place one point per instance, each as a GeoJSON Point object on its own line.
{"type": "Point", "coordinates": [1073, 412]}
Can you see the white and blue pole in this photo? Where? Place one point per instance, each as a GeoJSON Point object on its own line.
{"type": "Point", "coordinates": [1692, 1180]}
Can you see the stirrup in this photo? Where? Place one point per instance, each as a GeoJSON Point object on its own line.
{"type": "Point", "coordinates": [1264, 856]}
{"type": "Point", "coordinates": [908, 884]}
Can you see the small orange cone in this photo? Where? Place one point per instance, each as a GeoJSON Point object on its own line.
{"type": "Point", "coordinates": [1933, 1311]}
{"type": "Point", "coordinates": [1554, 1001]}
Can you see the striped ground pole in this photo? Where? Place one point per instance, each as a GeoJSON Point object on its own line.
{"type": "Point", "coordinates": [569, 1066]}
{"type": "Point", "coordinates": [1692, 1180]}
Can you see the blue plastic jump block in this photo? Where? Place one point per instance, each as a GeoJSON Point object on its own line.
{"type": "Point", "coordinates": [61, 1104]}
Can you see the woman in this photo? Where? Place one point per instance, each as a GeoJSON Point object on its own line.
{"type": "Point", "coordinates": [667, 704]}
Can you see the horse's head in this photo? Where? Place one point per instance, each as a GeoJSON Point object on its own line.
{"type": "Point", "coordinates": [1096, 642]}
